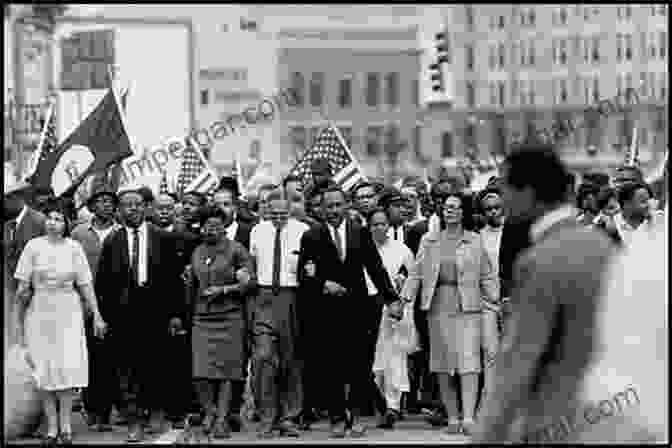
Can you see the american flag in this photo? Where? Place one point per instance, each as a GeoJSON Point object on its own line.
{"type": "Point", "coordinates": [48, 142]}
{"type": "Point", "coordinates": [163, 186]}
{"type": "Point", "coordinates": [195, 173]}
{"type": "Point", "coordinates": [330, 145]}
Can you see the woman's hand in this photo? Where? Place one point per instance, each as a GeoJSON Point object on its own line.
{"type": "Point", "coordinates": [99, 326]}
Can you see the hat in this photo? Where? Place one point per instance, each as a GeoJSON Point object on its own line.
{"type": "Point", "coordinates": [389, 196]}
{"type": "Point", "coordinates": [229, 183]}
{"type": "Point", "coordinates": [17, 187]}
{"type": "Point", "coordinates": [101, 192]}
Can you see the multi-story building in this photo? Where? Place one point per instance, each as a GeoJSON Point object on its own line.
{"type": "Point", "coordinates": [517, 68]}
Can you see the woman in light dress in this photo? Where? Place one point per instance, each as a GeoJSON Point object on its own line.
{"type": "Point", "coordinates": [396, 339]}
{"type": "Point", "coordinates": [53, 272]}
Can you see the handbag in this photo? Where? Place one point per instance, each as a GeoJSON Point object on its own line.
{"type": "Point", "coordinates": [405, 335]}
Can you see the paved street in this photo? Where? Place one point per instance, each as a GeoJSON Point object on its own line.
{"type": "Point", "coordinates": [411, 430]}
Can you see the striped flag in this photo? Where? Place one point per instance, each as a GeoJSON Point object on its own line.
{"type": "Point", "coordinates": [330, 145]}
{"type": "Point", "coordinates": [48, 142]}
{"type": "Point", "coordinates": [195, 172]}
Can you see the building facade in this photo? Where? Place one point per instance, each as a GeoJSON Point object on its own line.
{"type": "Point", "coordinates": [518, 68]}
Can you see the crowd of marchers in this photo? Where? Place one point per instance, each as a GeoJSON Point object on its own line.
{"type": "Point", "coordinates": [469, 307]}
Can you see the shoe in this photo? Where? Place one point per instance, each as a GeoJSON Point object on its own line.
{"type": "Point", "coordinates": [435, 418]}
{"type": "Point", "coordinates": [65, 438]}
{"type": "Point", "coordinates": [466, 427]}
{"type": "Point", "coordinates": [357, 430]}
{"type": "Point", "coordinates": [288, 429]}
{"type": "Point", "coordinates": [386, 420]}
{"type": "Point", "coordinates": [50, 441]}
{"type": "Point", "coordinates": [208, 423]}
{"type": "Point", "coordinates": [235, 423]}
{"type": "Point", "coordinates": [453, 427]}
{"type": "Point", "coordinates": [135, 434]}
{"type": "Point", "coordinates": [337, 430]}
{"type": "Point", "coordinates": [265, 432]}
{"type": "Point", "coordinates": [221, 430]}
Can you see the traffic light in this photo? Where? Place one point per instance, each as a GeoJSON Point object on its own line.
{"type": "Point", "coordinates": [436, 69]}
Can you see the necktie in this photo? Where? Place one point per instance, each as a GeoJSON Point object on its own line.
{"type": "Point", "coordinates": [135, 260]}
{"type": "Point", "coordinates": [277, 258]}
{"type": "Point", "coordinates": [339, 244]}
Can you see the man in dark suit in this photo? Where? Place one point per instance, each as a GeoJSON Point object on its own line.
{"type": "Point", "coordinates": [21, 224]}
{"type": "Point", "coordinates": [226, 198]}
{"type": "Point", "coordinates": [332, 260]}
{"type": "Point", "coordinates": [550, 338]}
{"type": "Point", "coordinates": [138, 275]}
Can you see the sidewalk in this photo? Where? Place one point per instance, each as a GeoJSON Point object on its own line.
{"type": "Point", "coordinates": [412, 430]}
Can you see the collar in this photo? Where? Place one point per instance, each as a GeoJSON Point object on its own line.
{"type": "Point", "coordinates": [542, 224]}
{"type": "Point", "coordinates": [141, 229]}
{"type": "Point", "coordinates": [233, 227]}
{"type": "Point", "coordinates": [489, 228]}
{"type": "Point", "coordinates": [113, 226]}
{"type": "Point", "coordinates": [22, 214]}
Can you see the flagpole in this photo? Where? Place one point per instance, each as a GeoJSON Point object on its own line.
{"type": "Point", "coordinates": [122, 113]}
{"type": "Point", "coordinates": [38, 153]}
{"type": "Point", "coordinates": [347, 149]}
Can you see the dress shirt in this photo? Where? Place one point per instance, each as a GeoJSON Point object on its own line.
{"type": "Point", "coordinates": [262, 240]}
{"type": "Point", "coordinates": [398, 235]}
{"type": "Point", "coordinates": [231, 231]}
{"type": "Point", "coordinates": [629, 233]}
{"type": "Point", "coordinates": [341, 235]}
{"type": "Point", "coordinates": [492, 239]}
{"type": "Point", "coordinates": [142, 257]}
{"type": "Point", "coordinates": [434, 224]}
{"type": "Point", "coordinates": [546, 221]}
{"type": "Point", "coordinates": [394, 254]}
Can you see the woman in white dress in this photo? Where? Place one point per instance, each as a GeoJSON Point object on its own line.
{"type": "Point", "coordinates": [52, 273]}
{"type": "Point", "coordinates": [396, 338]}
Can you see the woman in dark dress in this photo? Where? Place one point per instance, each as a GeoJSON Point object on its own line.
{"type": "Point", "coordinates": [222, 272]}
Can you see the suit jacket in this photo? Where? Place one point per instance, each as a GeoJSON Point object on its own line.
{"type": "Point", "coordinates": [243, 234]}
{"type": "Point", "coordinates": [551, 337]}
{"type": "Point", "coordinates": [515, 239]}
{"type": "Point", "coordinates": [158, 302]}
{"type": "Point", "coordinates": [476, 276]}
{"type": "Point", "coordinates": [415, 233]}
{"type": "Point", "coordinates": [318, 247]}
{"type": "Point", "coordinates": [31, 226]}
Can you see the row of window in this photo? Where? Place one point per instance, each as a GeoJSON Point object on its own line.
{"type": "Point", "coordinates": [377, 140]}
{"type": "Point", "coordinates": [525, 15]}
{"type": "Point", "coordinates": [523, 51]}
{"type": "Point", "coordinates": [378, 89]}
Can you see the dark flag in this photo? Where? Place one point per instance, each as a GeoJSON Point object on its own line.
{"type": "Point", "coordinates": [98, 142]}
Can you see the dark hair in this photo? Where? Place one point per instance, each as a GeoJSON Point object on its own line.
{"type": "Point", "coordinates": [627, 191]}
{"type": "Point", "coordinates": [596, 178]}
{"type": "Point", "coordinates": [466, 204]}
{"type": "Point", "coordinates": [201, 197]}
{"type": "Point", "coordinates": [488, 190]}
{"type": "Point", "coordinates": [42, 190]}
{"type": "Point", "coordinates": [275, 195]}
{"type": "Point", "coordinates": [265, 187]}
{"type": "Point", "coordinates": [333, 187]}
{"type": "Point", "coordinates": [364, 184]}
{"type": "Point", "coordinates": [604, 196]}
{"type": "Point", "coordinates": [539, 167]}
{"type": "Point", "coordinates": [173, 196]}
{"type": "Point", "coordinates": [291, 178]}
{"type": "Point", "coordinates": [147, 194]}
{"type": "Point", "coordinates": [59, 206]}
{"type": "Point", "coordinates": [229, 183]}
{"type": "Point", "coordinates": [585, 190]}
{"type": "Point", "coordinates": [212, 212]}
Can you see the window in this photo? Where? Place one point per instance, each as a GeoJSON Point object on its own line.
{"type": "Point", "coordinates": [523, 92]}
{"type": "Point", "coordinates": [248, 25]}
{"type": "Point", "coordinates": [492, 61]}
{"type": "Point", "coordinates": [205, 97]}
{"type": "Point", "coordinates": [471, 95]}
{"type": "Point", "coordinates": [662, 44]}
{"type": "Point", "coordinates": [314, 132]}
{"type": "Point", "coordinates": [619, 47]}
{"type": "Point", "coordinates": [532, 94]}
{"type": "Point", "coordinates": [500, 22]}
{"type": "Point", "coordinates": [501, 52]}
{"type": "Point", "coordinates": [562, 52]}
{"type": "Point", "coordinates": [652, 85]}
{"type": "Point", "coordinates": [373, 136]}
{"type": "Point", "coordinates": [663, 86]}
{"type": "Point", "coordinates": [392, 89]}
{"type": "Point", "coordinates": [652, 45]}
{"type": "Point", "coordinates": [619, 85]}
{"type": "Point", "coordinates": [514, 90]}
{"type": "Point", "coordinates": [345, 93]}
{"type": "Point", "coordinates": [372, 89]}
{"type": "Point", "coordinates": [346, 133]}
{"type": "Point", "coordinates": [643, 84]}
{"type": "Point", "coordinates": [493, 93]}
{"type": "Point", "coordinates": [628, 47]}
{"type": "Point", "coordinates": [447, 145]}
{"type": "Point", "coordinates": [596, 49]}
{"type": "Point", "coordinates": [501, 93]}
{"type": "Point", "coordinates": [563, 15]}
{"type": "Point", "coordinates": [586, 13]}
{"type": "Point", "coordinates": [316, 89]}
{"type": "Point", "coordinates": [469, 12]}
{"type": "Point", "coordinates": [298, 85]}
{"type": "Point", "coordinates": [532, 16]}
{"type": "Point", "coordinates": [469, 56]}
{"type": "Point", "coordinates": [392, 139]}
{"type": "Point", "coordinates": [417, 140]}
{"type": "Point", "coordinates": [628, 82]}
{"type": "Point", "coordinates": [586, 49]}
{"type": "Point", "coordinates": [531, 55]}
{"type": "Point", "coordinates": [297, 136]}
{"type": "Point", "coordinates": [493, 22]}
{"type": "Point", "coordinates": [515, 49]}
{"type": "Point", "coordinates": [643, 136]}
{"type": "Point", "coordinates": [415, 92]}
{"type": "Point", "coordinates": [596, 90]}
{"type": "Point", "coordinates": [523, 48]}
{"type": "Point", "coordinates": [563, 95]}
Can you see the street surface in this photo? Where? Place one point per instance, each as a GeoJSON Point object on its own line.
{"type": "Point", "coordinates": [411, 430]}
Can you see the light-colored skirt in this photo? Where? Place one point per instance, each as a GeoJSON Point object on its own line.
{"type": "Point", "coordinates": [454, 339]}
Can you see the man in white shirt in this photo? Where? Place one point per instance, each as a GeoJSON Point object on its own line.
{"type": "Point", "coordinates": [636, 218]}
{"type": "Point", "coordinates": [275, 245]}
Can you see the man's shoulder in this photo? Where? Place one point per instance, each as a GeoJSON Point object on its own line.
{"type": "Point", "coordinates": [420, 227]}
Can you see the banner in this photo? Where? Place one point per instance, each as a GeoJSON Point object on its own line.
{"type": "Point", "coordinates": [147, 168]}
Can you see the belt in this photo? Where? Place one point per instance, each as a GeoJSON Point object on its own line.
{"type": "Point", "coordinates": [448, 284]}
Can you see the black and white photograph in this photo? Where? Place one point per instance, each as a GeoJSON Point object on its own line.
{"type": "Point", "coordinates": [335, 223]}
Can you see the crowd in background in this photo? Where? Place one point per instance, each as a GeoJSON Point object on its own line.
{"type": "Point", "coordinates": [316, 302]}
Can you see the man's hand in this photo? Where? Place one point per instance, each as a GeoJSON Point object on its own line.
{"type": "Point", "coordinates": [243, 276]}
{"type": "Point", "coordinates": [396, 309]}
{"type": "Point", "coordinates": [187, 275]}
{"type": "Point", "coordinates": [333, 288]}
{"type": "Point", "coordinates": [175, 326]}
{"type": "Point", "coordinates": [309, 269]}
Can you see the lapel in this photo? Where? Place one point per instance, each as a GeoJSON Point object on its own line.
{"type": "Point", "coordinates": [351, 238]}
{"type": "Point", "coordinates": [326, 230]}
{"type": "Point", "coordinates": [151, 235]}
{"type": "Point", "coordinates": [463, 247]}
{"type": "Point", "coordinates": [123, 246]}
